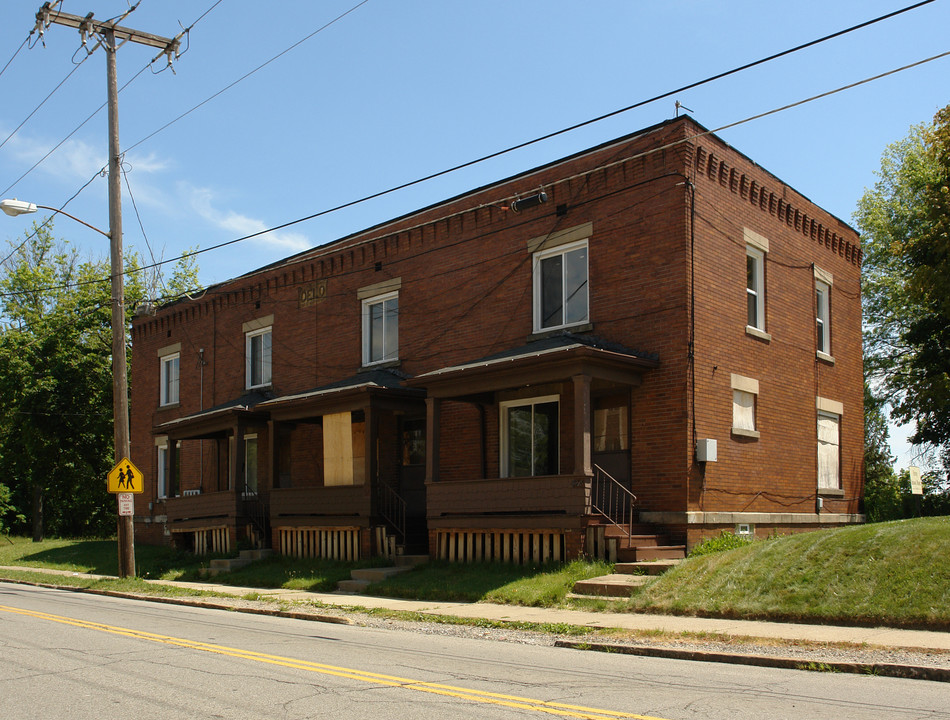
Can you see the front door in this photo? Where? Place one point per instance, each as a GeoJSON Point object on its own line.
{"type": "Point", "coordinates": [611, 441]}
{"type": "Point", "coordinates": [412, 482]}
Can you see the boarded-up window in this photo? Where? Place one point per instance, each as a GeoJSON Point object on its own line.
{"type": "Point", "coordinates": [743, 410]}
{"type": "Point", "coordinates": [344, 450]}
{"type": "Point", "coordinates": [828, 451]}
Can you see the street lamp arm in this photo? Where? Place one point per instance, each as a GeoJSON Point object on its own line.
{"type": "Point", "coordinates": [21, 207]}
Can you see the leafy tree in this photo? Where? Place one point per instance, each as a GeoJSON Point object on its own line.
{"type": "Point", "coordinates": [883, 499]}
{"type": "Point", "coordinates": [905, 220]}
{"type": "Point", "coordinates": [56, 436]}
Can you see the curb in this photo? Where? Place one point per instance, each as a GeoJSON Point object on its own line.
{"type": "Point", "coordinates": [911, 672]}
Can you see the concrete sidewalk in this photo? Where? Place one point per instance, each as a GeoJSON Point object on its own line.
{"type": "Point", "coordinates": [879, 636]}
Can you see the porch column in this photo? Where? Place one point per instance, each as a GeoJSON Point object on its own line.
{"type": "Point", "coordinates": [582, 429]}
{"type": "Point", "coordinates": [369, 437]}
{"type": "Point", "coordinates": [236, 460]}
{"type": "Point", "coordinates": [274, 451]}
{"type": "Point", "coordinates": [433, 437]}
{"type": "Point", "coordinates": [171, 488]}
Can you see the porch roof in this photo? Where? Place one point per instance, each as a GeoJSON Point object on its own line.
{"type": "Point", "coordinates": [214, 421]}
{"type": "Point", "coordinates": [381, 387]}
{"type": "Point", "coordinates": [549, 359]}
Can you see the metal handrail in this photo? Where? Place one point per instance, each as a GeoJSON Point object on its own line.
{"type": "Point", "coordinates": [256, 513]}
{"type": "Point", "coordinates": [392, 507]}
{"type": "Point", "coordinates": [609, 498]}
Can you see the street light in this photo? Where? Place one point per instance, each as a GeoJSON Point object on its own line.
{"type": "Point", "coordinates": [21, 207]}
{"type": "Point", "coordinates": [120, 378]}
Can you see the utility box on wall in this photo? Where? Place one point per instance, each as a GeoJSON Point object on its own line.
{"type": "Point", "coordinates": [706, 450]}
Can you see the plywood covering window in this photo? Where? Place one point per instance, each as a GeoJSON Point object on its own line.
{"type": "Point", "coordinates": [344, 450]}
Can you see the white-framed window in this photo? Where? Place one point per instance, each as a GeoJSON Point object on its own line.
{"type": "Point", "coordinates": [258, 355]}
{"type": "Point", "coordinates": [745, 393]}
{"type": "Point", "coordinates": [530, 437]}
{"type": "Point", "coordinates": [829, 453]}
{"type": "Point", "coordinates": [161, 475]}
{"type": "Point", "coordinates": [381, 328]}
{"type": "Point", "coordinates": [823, 316]}
{"type": "Point", "coordinates": [170, 365]}
{"type": "Point", "coordinates": [755, 288]}
{"type": "Point", "coordinates": [250, 464]}
{"type": "Point", "coordinates": [561, 296]}
{"type": "Point", "coordinates": [823, 284]}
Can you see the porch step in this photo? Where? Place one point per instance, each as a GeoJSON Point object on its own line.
{"type": "Point", "coordinates": [651, 552]}
{"type": "Point", "coordinates": [364, 577]}
{"type": "Point", "coordinates": [646, 567]}
{"type": "Point", "coordinates": [411, 560]}
{"type": "Point", "coordinates": [609, 586]}
{"type": "Point", "coordinates": [219, 566]}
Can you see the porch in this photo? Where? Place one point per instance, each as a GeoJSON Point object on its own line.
{"type": "Point", "coordinates": [530, 425]}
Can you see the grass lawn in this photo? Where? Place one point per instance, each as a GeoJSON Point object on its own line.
{"type": "Point", "coordinates": [895, 574]}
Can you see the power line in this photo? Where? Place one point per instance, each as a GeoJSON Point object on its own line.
{"type": "Point", "coordinates": [402, 186]}
{"type": "Point", "coordinates": [22, 45]}
{"type": "Point", "coordinates": [98, 109]}
{"type": "Point", "coordinates": [250, 73]}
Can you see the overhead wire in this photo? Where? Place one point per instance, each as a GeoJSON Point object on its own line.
{"type": "Point", "coordinates": [249, 74]}
{"type": "Point", "coordinates": [431, 176]}
{"type": "Point", "coordinates": [10, 61]}
{"type": "Point", "coordinates": [103, 105]}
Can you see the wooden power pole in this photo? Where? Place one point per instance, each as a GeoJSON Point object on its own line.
{"type": "Point", "coordinates": [109, 32]}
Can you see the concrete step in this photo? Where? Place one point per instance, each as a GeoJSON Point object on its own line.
{"type": "Point", "coordinates": [646, 567]}
{"type": "Point", "coordinates": [610, 585]}
{"type": "Point", "coordinates": [252, 555]}
{"type": "Point", "coordinates": [655, 552]}
{"type": "Point", "coordinates": [352, 586]}
{"type": "Point", "coordinates": [411, 560]}
{"type": "Point", "coordinates": [372, 575]}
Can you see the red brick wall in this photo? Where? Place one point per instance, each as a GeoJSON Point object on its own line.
{"type": "Point", "coordinates": [466, 292]}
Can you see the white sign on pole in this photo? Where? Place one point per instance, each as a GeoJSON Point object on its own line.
{"type": "Point", "coordinates": [126, 504]}
{"type": "Point", "coordinates": [916, 486]}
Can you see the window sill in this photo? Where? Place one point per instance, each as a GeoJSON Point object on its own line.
{"type": "Point", "coordinates": [382, 364]}
{"type": "Point", "coordinates": [830, 492]}
{"type": "Point", "coordinates": [756, 333]}
{"type": "Point", "coordinates": [265, 386]}
{"type": "Point", "coordinates": [169, 406]}
{"type": "Point", "coordinates": [825, 356]}
{"type": "Point", "coordinates": [742, 432]}
{"type": "Point", "coordinates": [542, 334]}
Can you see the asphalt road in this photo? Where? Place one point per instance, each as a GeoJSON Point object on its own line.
{"type": "Point", "coordinates": [71, 655]}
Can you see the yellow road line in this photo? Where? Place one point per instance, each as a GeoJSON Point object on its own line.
{"type": "Point", "coordinates": [481, 696]}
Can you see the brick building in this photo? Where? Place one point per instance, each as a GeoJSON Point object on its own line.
{"type": "Point", "coordinates": [642, 344]}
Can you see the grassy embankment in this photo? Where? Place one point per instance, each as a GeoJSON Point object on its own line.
{"type": "Point", "coordinates": [889, 573]}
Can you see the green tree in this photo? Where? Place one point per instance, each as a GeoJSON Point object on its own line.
{"type": "Point", "coordinates": [905, 220]}
{"type": "Point", "coordinates": [883, 499]}
{"type": "Point", "coordinates": [56, 439]}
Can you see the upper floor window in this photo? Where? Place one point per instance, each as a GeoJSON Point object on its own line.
{"type": "Point", "coordinates": [823, 313]}
{"type": "Point", "coordinates": [756, 248]}
{"type": "Point", "coordinates": [381, 328]}
{"type": "Point", "coordinates": [258, 357]}
{"type": "Point", "coordinates": [169, 380]}
{"type": "Point", "coordinates": [755, 288]}
{"type": "Point", "coordinates": [560, 287]}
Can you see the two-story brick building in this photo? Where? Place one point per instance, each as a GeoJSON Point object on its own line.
{"type": "Point", "coordinates": [653, 338]}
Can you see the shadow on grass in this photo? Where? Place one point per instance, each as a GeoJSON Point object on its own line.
{"type": "Point", "coordinates": [100, 557]}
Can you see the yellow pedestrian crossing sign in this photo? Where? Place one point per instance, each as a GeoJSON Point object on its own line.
{"type": "Point", "coordinates": [125, 478]}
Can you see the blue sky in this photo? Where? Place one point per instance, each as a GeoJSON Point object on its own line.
{"type": "Point", "coordinates": [395, 91]}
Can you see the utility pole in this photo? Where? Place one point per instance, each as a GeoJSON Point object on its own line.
{"type": "Point", "coordinates": [109, 31]}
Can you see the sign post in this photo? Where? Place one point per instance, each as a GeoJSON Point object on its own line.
{"type": "Point", "coordinates": [125, 481]}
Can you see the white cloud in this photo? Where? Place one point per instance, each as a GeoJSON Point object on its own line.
{"type": "Point", "coordinates": [239, 225]}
